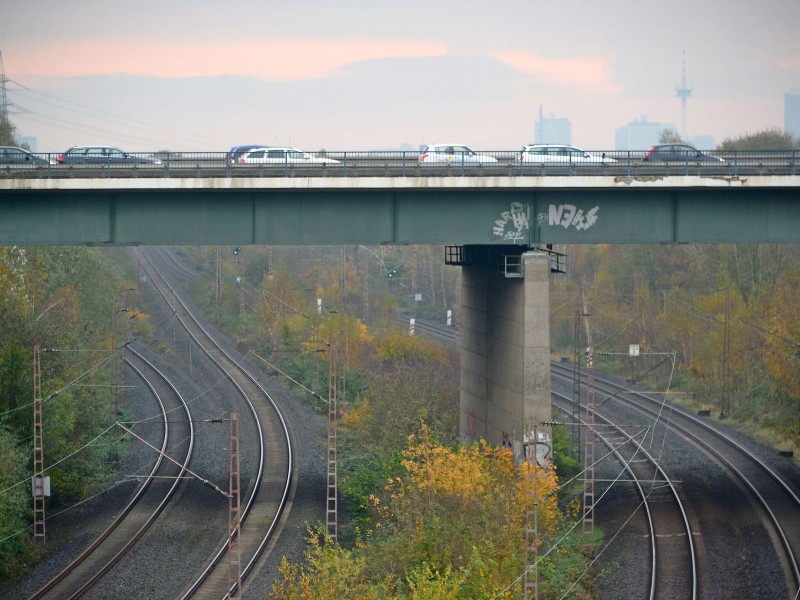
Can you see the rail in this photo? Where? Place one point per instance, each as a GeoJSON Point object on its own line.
{"type": "Point", "coordinates": [773, 495]}
{"type": "Point", "coordinates": [628, 163]}
{"type": "Point", "coordinates": [673, 560]}
{"type": "Point", "coordinates": [147, 503]}
{"type": "Point", "coordinates": [268, 494]}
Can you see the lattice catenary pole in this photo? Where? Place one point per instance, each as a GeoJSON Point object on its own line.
{"type": "Point", "coordinates": [331, 503]}
{"type": "Point", "coordinates": [589, 451]}
{"type": "Point", "coordinates": [576, 384]}
{"type": "Point", "coordinates": [38, 450]}
{"type": "Point", "coordinates": [234, 512]}
{"type": "Point", "coordinates": [531, 582]}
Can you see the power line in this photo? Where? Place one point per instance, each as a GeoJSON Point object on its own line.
{"type": "Point", "coordinates": [60, 104]}
{"type": "Point", "coordinates": [82, 109]}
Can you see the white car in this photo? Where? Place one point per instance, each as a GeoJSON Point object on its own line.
{"type": "Point", "coordinates": [453, 154]}
{"type": "Point", "coordinates": [559, 154]}
{"type": "Point", "coordinates": [282, 156]}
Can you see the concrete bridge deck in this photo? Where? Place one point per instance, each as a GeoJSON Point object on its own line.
{"type": "Point", "coordinates": [401, 210]}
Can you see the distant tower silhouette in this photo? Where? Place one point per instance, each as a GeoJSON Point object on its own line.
{"type": "Point", "coordinates": [683, 92]}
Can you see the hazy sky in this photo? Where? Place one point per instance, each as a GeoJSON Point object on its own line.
{"type": "Point", "coordinates": [371, 74]}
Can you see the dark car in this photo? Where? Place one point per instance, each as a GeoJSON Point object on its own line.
{"type": "Point", "coordinates": [678, 153]}
{"type": "Point", "coordinates": [11, 155]}
{"type": "Point", "coordinates": [235, 153]}
{"type": "Point", "coordinates": [103, 155]}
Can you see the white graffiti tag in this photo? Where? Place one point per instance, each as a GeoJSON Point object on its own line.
{"type": "Point", "coordinates": [512, 223]}
{"type": "Point", "coordinates": [567, 215]}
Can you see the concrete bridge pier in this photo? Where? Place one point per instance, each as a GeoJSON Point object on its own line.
{"type": "Point", "coordinates": [505, 345]}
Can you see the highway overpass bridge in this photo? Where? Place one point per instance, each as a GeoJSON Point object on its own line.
{"type": "Point", "coordinates": [618, 209]}
{"type": "Point", "coordinates": [491, 225]}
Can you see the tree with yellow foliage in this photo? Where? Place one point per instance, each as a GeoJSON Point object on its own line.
{"type": "Point", "coordinates": [450, 525]}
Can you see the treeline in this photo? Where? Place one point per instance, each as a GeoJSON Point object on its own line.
{"type": "Point", "coordinates": [66, 301]}
{"type": "Point", "coordinates": [729, 313]}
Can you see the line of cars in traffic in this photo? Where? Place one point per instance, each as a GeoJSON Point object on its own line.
{"type": "Point", "coordinates": [558, 154]}
{"type": "Point", "coordinates": [76, 155]}
{"type": "Point", "coordinates": [433, 155]}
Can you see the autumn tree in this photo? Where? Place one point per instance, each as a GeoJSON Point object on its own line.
{"type": "Point", "coordinates": [400, 396]}
{"type": "Point", "coordinates": [63, 299]}
{"type": "Point", "coordinates": [781, 347]}
{"type": "Point", "coordinates": [670, 136]}
{"type": "Point", "coordinates": [7, 131]}
{"type": "Point", "coordinates": [449, 524]}
{"type": "Point", "coordinates": [769, 139]}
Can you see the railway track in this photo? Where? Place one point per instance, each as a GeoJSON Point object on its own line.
{"type": "Point", "coordinates": [760, 487]}
{"type": "Point", "coordinates": [176, 441]}
{"type": "Point", "coordinates": [265, 489]}
{"type": "Point", "coordinates": [673, 560]}
{"type": "Point", "coordinates": [446, 335]}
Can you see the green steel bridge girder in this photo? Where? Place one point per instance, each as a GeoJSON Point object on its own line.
{"type": "Point", "coordinates": [396, 210]}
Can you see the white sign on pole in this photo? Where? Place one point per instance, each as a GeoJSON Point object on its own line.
{"type": "Point", "coordinates": [634, 350]}
{"type": "Point", "coordinates": [44, 485]}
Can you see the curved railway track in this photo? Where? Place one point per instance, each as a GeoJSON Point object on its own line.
{"type": "Point", "coordinates": [157, 488]}
{"type": "Point", "coordinates": [775, 499]}
{"type": "Point", "coordinates": [673, 561]}
{"type": "Point", "coordinates": [266, 490]}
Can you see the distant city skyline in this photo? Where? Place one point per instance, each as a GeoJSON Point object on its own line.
{"type": "Point", "coordinates": [345, 75]}
{"type": "Point", "coordinates": [791, 112]}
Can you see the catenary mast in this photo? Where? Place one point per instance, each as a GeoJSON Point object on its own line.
{"type": "Point", "coordinates": [3, 94]}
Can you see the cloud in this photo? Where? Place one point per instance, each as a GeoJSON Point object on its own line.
{"type": "Point", "coordinates": [790, 63]}
{"type": "Point", "coordinates": [590, 74]}
{"type": "Point", "coordinates": [281, 59]}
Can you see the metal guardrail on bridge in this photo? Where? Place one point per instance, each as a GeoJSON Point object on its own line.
{"type": "Point", "coordinates": [408, 164]}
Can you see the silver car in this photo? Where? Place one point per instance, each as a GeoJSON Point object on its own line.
{"type": "Point", "coordinates": [560, 154]}
{"type": "Point", "coordinates": [283, 156]}
{"type": "Point", "coordinates": [453, 154]}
